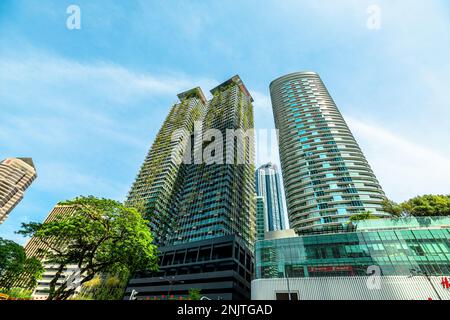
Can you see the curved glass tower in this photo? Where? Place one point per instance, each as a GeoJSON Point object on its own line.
{"type": "Point", "coordinates": [327, 179]}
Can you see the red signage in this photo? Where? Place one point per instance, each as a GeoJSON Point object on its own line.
{"type": "Point", "coordinates": [330, 269]}
{"type": "Point", "coordinates": [445, 283]}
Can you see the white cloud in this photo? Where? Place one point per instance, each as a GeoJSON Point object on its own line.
{"type": "Point", "coordinates": [262, 102]}
{"type": "Point", "coordinates": [86, 125]}
{"type": "Point", "coordinates": [405, 169]}
{"type": "Point", "coordinates": [41, 71]}
{"type": "Point", "coordinates": [62, 176]}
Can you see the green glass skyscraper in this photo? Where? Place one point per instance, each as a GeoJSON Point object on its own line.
{"type": "Point", "coordinates": [217, 197]}
{"type": "Point", "coordinates": [326, 176]}
{"type": "Point", "coordinates": [159, 182]}
{"type": "Point", "coordinates": [197, 189]}
{"type": "Point", "coordinates": [185, 197]}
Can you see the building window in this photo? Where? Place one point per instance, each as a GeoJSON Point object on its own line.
{"type": "Point", "coordinates": [285, 296]}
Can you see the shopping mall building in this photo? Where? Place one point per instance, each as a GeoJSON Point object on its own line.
{"type": "Point", "coordinates": [385, 259]}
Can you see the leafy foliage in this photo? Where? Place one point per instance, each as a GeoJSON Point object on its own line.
{"type": "Point", "coordinates": [105, 287]}
{"type": "Point", "coordinates": [392, 207]}
{"type": "Point", "coordinates": [17, 293]}
{"type": "Point", "coordinates": [14, 264]}
{"type": "Point", "coordinates": [100, 236]}
{"type": "Point", "coordinates": [12, 257]}
{"type": "Point", "coordinates": [428, 205]}
{"type": "Point", "coordinates": [194, 294]}
{"type": "Point", "coordinates": [363, 216]}
{"type": "Point", "coordinates": [421, 206]}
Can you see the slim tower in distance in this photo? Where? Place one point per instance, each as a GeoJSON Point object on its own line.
{"type": "Point", "coordinates": [269, 187]}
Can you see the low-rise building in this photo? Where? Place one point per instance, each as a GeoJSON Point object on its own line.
{"type": "Point", "coordinates": [384, 259]}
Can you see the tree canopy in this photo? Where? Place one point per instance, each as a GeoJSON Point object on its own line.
{"type": "Point", "coordinates": [420, 206]}
{"type": "Point", "coordinates": [363, 216]}
{"type": "Point", "coordinates": [14, 264]}
{"type": "Point", "coordinates": [12, 256]}
{"type": "Point", "coordinates": [99, 236]}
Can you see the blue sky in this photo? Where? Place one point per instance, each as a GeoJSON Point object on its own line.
{"type": "Point", "coordinates": [86, 104]}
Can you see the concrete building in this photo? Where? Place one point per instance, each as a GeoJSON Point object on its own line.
{"type": "Point", "coordinates": [351, 288]}
{"type": "Point", "coordinates": [326, 176]}
{"type": "Point", "coordinates": [16, 175]}
{"type": "Point", "coordinates": [268, 185]}
{"type": "Point", "coordinates": [33, 248]}
{"type": "Point", "coordinates": [71, 276]}
{"type": "Point", "coordinates": [385, 259]}
{"type": "Point", "coordinates": [221, 268]}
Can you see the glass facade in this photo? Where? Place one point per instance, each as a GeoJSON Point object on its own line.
{"type": "Point", "coordinates": [260, 218]}
{"type": "Point", "coordinates": [217, 199]}
{"type": "Point", "coordinates": [159, 180]}
{"type": "Point", "coordinates": [326, 176]}
{"type": "Point", "coordinates": [396, 246]}
{"type": "Point", "coordinates": [189, 201]}
{"type": "Point", "coordinates": [268, 186]}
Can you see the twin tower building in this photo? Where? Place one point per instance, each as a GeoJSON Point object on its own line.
{"type": "Point", "coordinates": [200, 191]}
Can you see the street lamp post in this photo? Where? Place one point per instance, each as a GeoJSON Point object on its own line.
{"type": "Point", "coordinates": [288, 285]}
{"type": "Point", "coordinates": [171, 282]}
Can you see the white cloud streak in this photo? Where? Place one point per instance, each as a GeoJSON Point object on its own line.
{"type": "Point", "coordinates": [405, 169]}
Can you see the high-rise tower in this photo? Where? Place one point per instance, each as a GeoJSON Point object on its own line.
{"type": "Point", "coordinates": [326, 176]}
{"type": "Point", "coordinates": [197, 188]}
{"type": "Point", "coordinates": [160, 178]}
{"type": "Point", "coordinates": [268, 186]}
{"type": "Point", "coordinates": [16, 175]}
{"type": "Point", "coordinates": [191, 191]}
{"type": "Point", "coordinates": [217, 197]}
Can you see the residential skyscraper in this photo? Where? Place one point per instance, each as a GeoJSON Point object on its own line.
{"type": "Point", "coordinates": [16, 175]}
{"type": "Point", "coordinates": [197, 188]}
{"type": "Point", "coordinates": [161, 176]}
{"type": "Point", "coordinates": [217, 198]}
{"type": "Point", "coordinates": [327, 179]}
{"type": "Point", "coordinates": [268, 186]}
{"type": "Point", "coordinates": [193, 200]}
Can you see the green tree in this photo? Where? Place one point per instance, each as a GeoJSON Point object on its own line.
{"type": "Point", "coordinates": [420, 206]}
{"type": "Point", "coordinates": [12, 257]}
{"type": "Point", "coordinates": [106, 286]}
{"type": "Point", "coordinates": [101, 236]}
{"type": "Point", "coordinates": [428, 205]}
{"type": "Point", "coordinates": [363, 216]}
{"type": "Point", "coordinates": [391, 207]}
{"type": "Point", "coordinates": [17, 293]}
{"type": "Point", "coordinates": [194, 294]}
{"type": "Point", "coordinates": [14, 264]}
